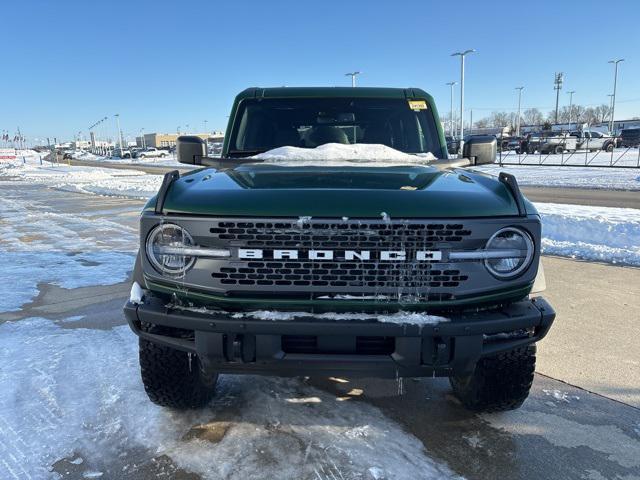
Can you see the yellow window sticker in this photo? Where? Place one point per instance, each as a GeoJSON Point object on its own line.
{"type": "Point", "coordinates": [417, 104]}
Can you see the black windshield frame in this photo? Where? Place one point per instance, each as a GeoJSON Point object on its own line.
{"type": "Point", "coordinates": [261, 124]}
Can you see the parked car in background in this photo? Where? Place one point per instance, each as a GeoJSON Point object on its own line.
{"type": "Point", "coordinates": [121, 153]}
{"type": "Point", "coordinates": [630, 137]}
{"type": "Point", "coordinates": [67, 154]}
{"type": "Point", "coordinates": [551, 142]}
{"type": "Point", "coordinates": [452, 144]}
{"type": "Point", "coordinates": [150, 152]}
{"type": "Point", "coordinates": [594, 141]}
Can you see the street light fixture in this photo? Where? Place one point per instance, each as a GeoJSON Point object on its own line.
{"type": "Point", "coordinates": [451, 84]}
{"type": "Point", "coordinates": [518, 117]}
{"type": "Point", "coordinates": [615, 82]}
{"type": "Point", "coordinates": [462, 55]}
{"type": "Point", "coordinates": [571, 104]}
{"type": "Point", "coordinates": [353, 77]}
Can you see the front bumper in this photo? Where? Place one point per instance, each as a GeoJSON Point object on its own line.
{"type": "Point", "coordinates": [306, 345]}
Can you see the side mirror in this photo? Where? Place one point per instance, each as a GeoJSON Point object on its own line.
{"type": "Point", "coordinates": [480, 149]}
{"type": "Point", "coordinates": [191, 150]}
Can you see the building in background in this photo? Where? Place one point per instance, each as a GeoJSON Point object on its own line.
{"type": "Point", "coordinates": [166, 140]}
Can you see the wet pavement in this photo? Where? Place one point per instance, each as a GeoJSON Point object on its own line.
{"type": "Point", "coordinates": [581, 420]}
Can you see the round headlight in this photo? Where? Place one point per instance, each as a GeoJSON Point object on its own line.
{"type": "Point", "coordinates": [510, 251]}
{"type": "Point", "coordinates": [163, 249]}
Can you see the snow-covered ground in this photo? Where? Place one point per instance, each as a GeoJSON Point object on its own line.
{"type": "Point", "coordinates": [57, 248]}
{"type": "Point", "coordinates": [75, 393]}
{"type": "Point", "coordinates": [95, 180]}
{"type": "Point", "coordinates": [572, 177]}
{"type": "Point", "coordinates": [169, 161]}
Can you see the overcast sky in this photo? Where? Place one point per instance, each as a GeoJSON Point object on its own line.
{"type": "Point", "coordinates": [160, 64]}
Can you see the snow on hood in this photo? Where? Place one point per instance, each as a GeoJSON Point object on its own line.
{"type": "Point", "coordinates": [336, 154]}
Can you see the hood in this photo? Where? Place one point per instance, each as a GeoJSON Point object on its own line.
{"type": "Point", "coordinates": [259, 190]}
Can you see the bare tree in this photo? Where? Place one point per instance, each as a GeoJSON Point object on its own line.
{"type": "Point", "coordinates": [481, 123]}
{"type": "Point", "coordinates": [590, 116]}
{"type": "Point", "coordinates": [532, 116]}
{"type": "Point", "coordinates": [603, 112]}
{"type": "Point", "coordinates": [500, 119]}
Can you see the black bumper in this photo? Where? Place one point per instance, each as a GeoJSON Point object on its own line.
{"type": "Point", "coordinates": [307, 345]}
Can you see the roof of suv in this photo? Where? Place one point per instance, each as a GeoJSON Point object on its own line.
{"type": "Point", "coordinates": [368, 92]}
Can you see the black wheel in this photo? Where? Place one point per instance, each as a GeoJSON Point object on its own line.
{"type": "Point", "coordinates": [173, 378]}
{"type": "Point", "coordinates": [499, 383]}
{"type": "Point", "coordinates": [558, 149]}
{"type": "Point", "coordinates": [609, 147]}
{"type": "Point", "coordinates": [126, 155]}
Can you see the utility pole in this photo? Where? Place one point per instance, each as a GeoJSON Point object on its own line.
{"type": "Point", "coordinates": [557, 86]}
{"type": "Point", "coordinates": [615, 82]}
{"type": "Point", "coordinates": [353, 77]}
{"type": "Point", "coordinates": [451, 84]}
{"type": "Point", "coordinates": [462, 55]}
{"type": "Point", "coordinates": [571, 105]}
{"type": "Point", "coordinates": [518, 117]}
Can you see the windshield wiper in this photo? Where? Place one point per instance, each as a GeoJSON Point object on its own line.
{"type": "Point", "coordinates": [245, 153]}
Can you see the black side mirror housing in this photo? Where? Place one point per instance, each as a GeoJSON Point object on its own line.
{"type": "Point", "coordinates": [190, 149]}
{"type": "Point", "coordinates": [480, 149]}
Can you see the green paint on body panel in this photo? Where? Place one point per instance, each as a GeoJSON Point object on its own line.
{"type": "Point", "coordinates": [363, 192]}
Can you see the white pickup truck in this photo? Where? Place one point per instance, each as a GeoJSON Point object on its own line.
{"type": "Point", "coordinates": [594, 141]}
{"type": "Point", "coordinates": [150, 152]}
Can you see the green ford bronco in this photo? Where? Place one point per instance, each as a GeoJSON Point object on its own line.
{"type": "Point", "coordinates": [410, 267]}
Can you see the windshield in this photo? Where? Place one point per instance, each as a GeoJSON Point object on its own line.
{"type": "Point", "coordinates": [265, 124]}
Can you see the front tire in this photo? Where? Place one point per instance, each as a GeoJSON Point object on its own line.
{"type": "Point", "coordinates": [501, 382]}
{"type": "Point", "coordinates": [174, 379]}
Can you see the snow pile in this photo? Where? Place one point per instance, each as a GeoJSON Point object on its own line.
{"type": "Point", "coordinates": [573, 177]}
{"type": "Point", "coordinates": [335, 154]}
{"type": "Point", "coordinates": [75, 393]}
{"type": "Point", "coordinates": [401, 318]}
{"type": "Point", "coordinates": [591, 233]}
{"type": "Point", "coordinates": [101, 181]}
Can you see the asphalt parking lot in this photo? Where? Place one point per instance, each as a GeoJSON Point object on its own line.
{"type": "Point", "coordinates": [582, 419]}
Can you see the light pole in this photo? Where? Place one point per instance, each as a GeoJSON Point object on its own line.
{"type": "Point", "coordinates": [611, 96]}
{"type": "Point", "coordinates": [518, 117]}
{"type": "Point", "coordinates": [353, 77]}
{"type": "Point", "coordinates": [615, 82]}
{"type": "Point", "coordinates": [119, 132]}
{"type": "Point", "coordinates": [143, 144]}
{"type": "Point", "coordinates": [205, 127]}
{"type": "Point", "coordinates": [571, 105]}
{"type": "Point", "coordinates": [462, 55]}
{"type": "Point", "coordinates": [451, 84]}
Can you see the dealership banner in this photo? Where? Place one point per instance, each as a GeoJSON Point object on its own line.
{"type": "Point", "coordinates": [7, 153]}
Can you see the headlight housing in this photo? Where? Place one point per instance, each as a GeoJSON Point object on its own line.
{"type": "Point", "coordinates": [163, 246]}
{"type": "Point", "coordinates": [512, 240]}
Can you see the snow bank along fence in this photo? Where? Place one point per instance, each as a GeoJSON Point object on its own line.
{"type": "Point", "coordinates": [626, 157]}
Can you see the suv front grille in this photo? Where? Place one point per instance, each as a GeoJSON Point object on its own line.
{"type": "Point", "coordinates": [349, 234]}
{"type": "Point", "coordinates": [340, 274]}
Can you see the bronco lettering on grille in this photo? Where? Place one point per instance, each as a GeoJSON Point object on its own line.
{"type": "Point", "coordinates": [363, 255]}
